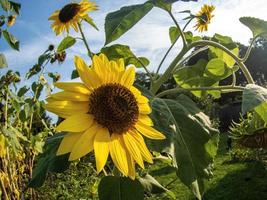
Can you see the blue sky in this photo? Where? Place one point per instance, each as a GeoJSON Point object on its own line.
{"type": "Point", "coordinates": [149, 38]}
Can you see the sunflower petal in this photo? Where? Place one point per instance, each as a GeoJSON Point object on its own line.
{"type": "Point", "coordinates": [149, 131]}
{"type": "Point", "coordinates": [145, 119]}
{"type": "Point", "coordinates": [133, 148]}
{"type": "Point", "coordinates": [139, 140]}
{"type": "Point", "coordinates": [70, 96]}
{"type": "Point", "coordinates": [144, 108]}
{"type": "Point", "coordinates": [84, 145]}
{"type": "Point", "coordinates": [68, 142]}
{"type": "Point", "coordinates": [73, 87]}
{"type": "Point", "coordinates": [128, 77]}
{"type": "Point", "coordinates": [101, 147]}
{"type": "Point", "coordinates": [131, 166]}
{"type": "Point", "coordinates": [76, 123]}
{"type": "Point", "coordinates": [118, 154]}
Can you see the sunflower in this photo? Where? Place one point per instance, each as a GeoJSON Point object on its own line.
{"type": "Point", "coordinates": [70, 15]}
{"type": "Point", "coordinates": [105, 113]}
{"type": "Point", "coordinates": [204, 17]}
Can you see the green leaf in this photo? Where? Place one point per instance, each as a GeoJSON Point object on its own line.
{"type": "Point", "coordinates": [255, 98]}
{"type": "Point", "coordinates": [120, 188]}
{"type": "Point", "coordinates": [74, 74]}
{"type": "Point", "coordinates": [90, 21]}
{"type": "Point", "coordinates": [119, 22]}
{"type": "Point", "coordinates": [193, 77]}
{"type": "Point", "coordinates": [66, 43]}
{"type": "Point", "coordinates": [48, 161]}
{"type": "Point", "coordinates": [189, 37]}
{"type": "Point", "coordinates": [15, 7]}
{"type": "Point", "coordinates": [217, 70]}
{"type": "Point", "coordinates": [22, 91]}
{"type": "Point", "coordinates": [11, 40]}
{"type": "Point", "coordinates": [218, 53]}
{"type": "Point", "coordinates": [193, 143]}
{"type": "Point", "coordinates": [174, 34]}
{"type": "Point", "coordinates": [257, 26]}
{"type": "Point", "coordinates": [3, 62]}
{"type": "Point", "coordinates": [152, 186]}
{"type": "Point", "coordinates": [163, 4]}
{"type": "Point", "coordinates": [5, 5]}
{"type": "Point", "coordinates": [117, 51]}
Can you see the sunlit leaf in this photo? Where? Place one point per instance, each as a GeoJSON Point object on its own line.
{"type": "Point", "coordinates": [11, 40]}
{"type": "Point", "coordinates": [257, 26]}
{"type": "Point", "coordinates": [90, 21]}
{"type": "Point", "coordinates": [120, 21]}
{"type": "Point", "coordinates": [3, 62]}
{"type": "Point", "coordinates": [173, 34]}
{"type": "Point", "coordinates": [122, 188]}
{"type": "Point", "coordinates": [14, 6]}
{"type": "Point", "coordinates": [66, 43]}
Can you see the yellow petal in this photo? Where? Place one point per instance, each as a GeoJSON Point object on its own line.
{"type": "Point", "coordinates": [118, 154]}
{"type": "Point", "coordinates": [73, 87]}
{"type": "Point", "coordinates": [144, 108]}
{"type": "Point", "coordinates": [133, 149]}
{"type": "Point", "coordinates": [67, 143]}
{"type": "Point", "coordinates": [66, 109]}
{"type": "Point", "coordinates": [84, 73]}
{"type": "Point", "coordinates": [76, 123]}
{"type": "Point", "coordinates": [149, 131]}
{"type": "Point", "coordinates": [135, 91]}
{"type": "Point", "coordinates": [70, 96]}
{"type": "Point", "coordinates": [128, 77]}
{"type": "Point", "coordinates": [101, 147]}
{"type": "Point", "coordinates": [131, 166]}
{"type": "Point", "coordinates": [85, 144]}
{"type": "Point", "coordinates": [142, 99]}
{"type": "Point", "coordinates": [145, 119]}
{"type": "Point", "coordinates": [139, 140]}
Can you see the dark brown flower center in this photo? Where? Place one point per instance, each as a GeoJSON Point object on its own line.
{"type": "Point", "coordinates": [114, 107]}
{"type": "Point", "coordinates": [204, 18]}
{"type": "Point", "coordinates": [68, 12]}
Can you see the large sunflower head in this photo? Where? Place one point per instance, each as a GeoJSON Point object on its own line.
{"type": "Point", "coordinates": [204, 17]}
{"type": "Point", "coordinates": [70, 15]}
{"type": "Point", "coordinates": [104, 113]}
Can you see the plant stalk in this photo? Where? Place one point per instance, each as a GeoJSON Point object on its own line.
{"type": "Point", "coordinates": [85, 41]}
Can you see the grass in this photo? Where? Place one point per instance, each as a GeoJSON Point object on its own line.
{"type": "Point", "coordinates": [231, 181]}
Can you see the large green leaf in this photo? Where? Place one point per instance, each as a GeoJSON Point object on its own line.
{"type": "Point", "coordinates": [11, 40]}
{"type": "Point", "coordinates": [192, 141]}
{"type": "Point", "coordinates": [257, 26]}
{"type": "Point", "coordinates": [66, 43]}
{"type": "Point", "coordinates": [166, 4]}
{"type": "Point", "coordinates": [48, 161]}
{"type": "Point", "coordinates": [152, 186]}
{"type": "Point", "coordinates": [119, 22]}
{"type": "Point", "coordinates": [255, 98]}
{"type": "Point", "coordinates": [118, 51]}
{"type": "Point", "coordinates": [120, 188]}
{"type": "Point", "coordinates": [193, 77]}
{"type": "Point", "coordinates": [3, 62]}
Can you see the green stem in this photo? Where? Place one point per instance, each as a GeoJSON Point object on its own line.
{"type": "Point", "coordinates": [220, 88]}
{"type": "Point", "coordinates": [237, 59]}
{"type": "Point", "coordinates": [179, 29]}
{"type": "Point", "coordinates": [85, 41]}
{"type": "Point", "coordinates": [248, 50]}
{"type": "Point", "coordinates": [168, 72]}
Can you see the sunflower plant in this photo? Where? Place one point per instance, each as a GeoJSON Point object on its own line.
{"type": "Point", "coordinates": [125, 127]}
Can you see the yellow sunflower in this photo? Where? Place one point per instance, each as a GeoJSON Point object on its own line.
{"type": "Point", "coordinates": [70, 15]}
{"type": "Point", "coordinates": [204, 17]}
{"type": "Point", "coordinates": [105, 113]}
{"type": "Point", "coordinates": [11, 20]}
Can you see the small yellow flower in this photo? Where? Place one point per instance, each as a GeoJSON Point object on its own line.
{"type": "Point", "coordinates": [70, 15]}
{"type": "Point", "coordinates": [11, 20]}
{"type": "Point", "coordinates": [105, 113]}
{"type": "Point", "coordinates": [204, 17]}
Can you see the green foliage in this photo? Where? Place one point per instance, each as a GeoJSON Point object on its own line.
{"type": "Point", "coordinates": [257, 26]}
{"type": "Point", "coordinates": [193, 139]}
{"type": "Point", "coordinates": [66, 43]}
{"type": "Point", "coordinates": [173, 34]}
{"type": "Point", "coordinates": [90, 21]}
{"type": "Point", "coordinates": [119, 22]}
{"type": "Point", "coordinates": [11, 40]}
{"type": "Point", "coordinates": [3, 62]}
{"type": "Point", "coordinates": [114, 188]}
{"type": "Point", "coordinates": [255, 98]}
{"type": "Point", "coordinates": [117, 51]}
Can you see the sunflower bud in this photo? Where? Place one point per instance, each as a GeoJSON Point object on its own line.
{"type": "Point", "coordinates": [11, 20]}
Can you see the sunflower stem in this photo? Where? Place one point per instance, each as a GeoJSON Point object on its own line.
{"type": "Point", "coordinates": [228, 88]}
{"type": "Point", "coordinates": [85, 41]}
{"type": "Point", "coordinates": [248, 50]}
